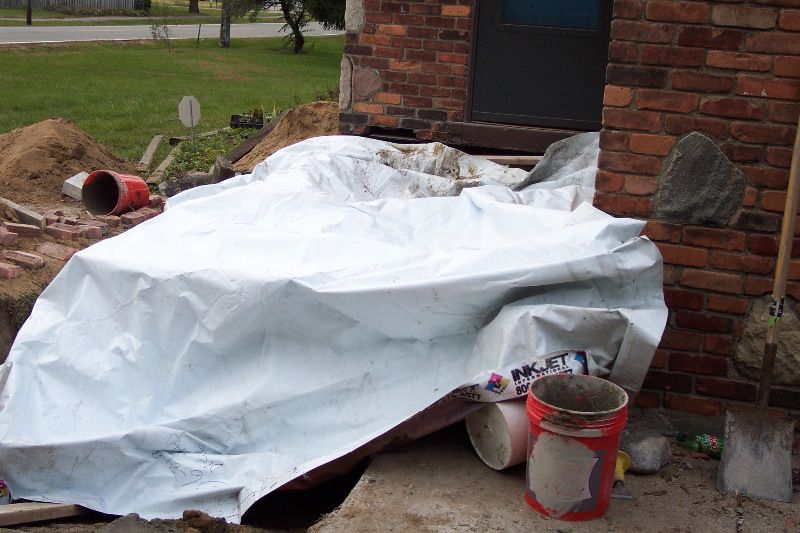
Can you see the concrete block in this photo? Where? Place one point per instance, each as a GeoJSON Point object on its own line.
{"type": "Point", "coordinates": [25, 215]}
{"type": "Point", "coordinates": [56, 251]}
{"type": "Point", "coordinates": [23, 230]}
{"type": "Point", "coordinates": [73, 186]}
{"type": "Point", "coordinates": [23, 259]}
{"type": "Point", "coordinates": [9, 271]}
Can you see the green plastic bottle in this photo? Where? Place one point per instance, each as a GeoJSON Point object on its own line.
{"type": "Point", "coordinates": [702, 442]}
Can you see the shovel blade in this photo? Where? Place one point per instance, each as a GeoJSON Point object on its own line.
{"type": "Point", "coordinates": [757, 456]}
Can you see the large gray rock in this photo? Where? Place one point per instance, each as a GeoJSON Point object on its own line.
{"type": "Point", "coordinates": [649, 449]}
{"type": "Point", "coordinates": [698, 184]}
{"type": "Point", "coordinates": [751, 346]}
{"type": "Point", "coordinates": [354, 15]}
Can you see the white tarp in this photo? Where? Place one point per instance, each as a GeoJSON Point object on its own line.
{"type": "Point", "coordinates": [267, 325]}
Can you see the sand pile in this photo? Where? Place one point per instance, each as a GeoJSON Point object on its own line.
{"type": "Point", "coordinates": [308, 120]}
{"type": "Point", "coordinates": [35, 161]}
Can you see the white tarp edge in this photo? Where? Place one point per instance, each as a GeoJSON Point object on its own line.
{"type": "Point", "coordinates": [267, 325]}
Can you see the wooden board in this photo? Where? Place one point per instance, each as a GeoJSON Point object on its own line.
{"type": "Point", "coordinates": [158, 173]}
{"type": "Point", "coordinates": [522, 160]}
{"type": "Point", "coordinates": [147, 157]}
{"type": "Point", "coordinates": [21, 513]}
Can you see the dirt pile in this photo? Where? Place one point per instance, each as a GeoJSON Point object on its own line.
{"type": "Point", "coordinates": [35, 160]}
{"type": "Point", "coordinates": [302, 122]}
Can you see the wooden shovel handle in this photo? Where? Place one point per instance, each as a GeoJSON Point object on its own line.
{"type": "Point", "coordinates": [781, 274]}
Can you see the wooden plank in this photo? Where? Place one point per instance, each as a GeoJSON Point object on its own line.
{"type": "Point", "coordinates": [521, 160]}
{"type": "Point", "coordinates": [158, 173]}
{"type": "Point", "coordinates": [21, 513]}
{"type": "Point", "coordinates": [251, 142]}
{"type": "Point", "coordinates": [150, 151]}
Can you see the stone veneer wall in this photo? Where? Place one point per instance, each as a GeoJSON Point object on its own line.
{"type": "Point", "coordinates": [691, 87]}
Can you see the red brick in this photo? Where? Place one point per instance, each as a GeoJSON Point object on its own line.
{"type": "Point", "coordinates": [640, 185]}
{"type": "Point", "coordinates": [768, 88]}
{"type": "Point", "coordinates": [743, 153]}
{"type": "Point", "coordinates": [23, 230]}
{"type": "Point", "coordinates": [698, 364]}
{"type": "Point", "coordinates": [401, 64]}
{"type": "Point", "coordinates": [790, 20]}
{"type": "Point", "coordinates": [635, 206]}
{"type": "Point", "coordinates": [703, 322]}
{"type": "Point", "coordinates": [683, 255]}
{"type": "Point", "coordinates": [363, 107]}
{"type": "Point", "coordinates": [622, 52]}
{"type": "Point", "coordinates": [724, 388]}
{"type": "Point", "coordinates": [682, 299]}
{"type": "Point", "coordinates": [666, 101]}
{"type": "Point", "coordinates": [670, 275]}
{"type": "Point", "coordinates": [7, 238]}
{"type": "Point", "coordinates": [606, 181]}
{"type": "Point", "coordinates": [713, 281]}
{"type": "Point", "coordinates": [787, 66]}
{"type": "Point", "coordinates": [732, 108]}
{"type": "Point", "coordinates": [394, 53]}
{"type": "Point", "coordinates": [615, 141]}
{"type": "Point", "coordinates": [762, 134]}
{"type": "Point", "coordinates": [9, 271]}
{"type": "Point", "coordinates": [632, 120]}
{"type": "Point", "coordinates": [671, 11]}
{"type": "Point", "coordinates": [641, 143]}
{"type": "Point", "coordinates": [772, 178]}
{"type": "Point", "coordinates": [727, 304]}
{"type": "Point", "coordinates": [56, 251]}
{"type": "Point", "coordinates": [132, 219]}
{"type": "Point", "coordinates": [381, 40]}
{"type": "Point", "coordinates": [681, 340]}
{"type": "Point", "coordinates": [645, 32]}
{"type": "Point", "coordinates": [660, 359]}
{"type": "Point", "coordinates": [660, 231]}
{"type": "Point", "coordinates": [773, 42]}
{"type": "Point", "coordinates": [668, 381]}
{"type": "Point", "coordinates": [779, 157]}
{"type": "Point", "coordinates": [456, 11]}
{"type": "Point", "coordinates": [752, 264]}
{"type": "Point", "coordinates": [672, 56]}
{"type": "Point", "coordinates": [710, 38]}
{"type": "Point", "coordinates": [631, 163]}
{"type": "Point", "coordinates": [714, 238]}
{"type": "Point", "coordinates": [784, 112]}
{"type": "Point", "coordinates": [628, 9]}
{"type": "Point", "coordinates": [89, 232]}
{"type": "Point", "coordinates": [617, 96]}
{"type": "Point", "coordinates": [718, 344]}
{"type": "Point", "coordinates": [391, 29]}
{"type": "Point", "coordinates": [62, 231]}
{"type": "Point", "coordinates": [635, 76]}
{"type": "Point", "coordinates": [773, 201]}
{"type": "Point", "coordinates": [648, 399]}
{"type": "Point", "coordinates": [453, 58]}
{"type": "Point", "coordinates": [679, 124]}
{"type": "Point", "coordinates": [686, 80]}
{"type": "Point", "coordinates": [387, 98]}
{"type": "Point", "coordinates": [763, 244]}
{"type": "Point", "coordinates": [112, 220]}
{"type": "Point", "coordinates": [23, 259]}
{"type": "Point", "coordinates": [787, 398]}
{"type": "Point", "coordinates": [693, 404]}
{"type": "Point", "coordinates": [738, 61]}
{"type": "Point", "coordinates": [744, 17]}
{"type": "Point", "coordinates": [750, 197]}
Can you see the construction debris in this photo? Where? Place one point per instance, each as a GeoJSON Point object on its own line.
{"type": "Point", "coordinates": [73, 186]}
{"type": "Point", "coordinates": [150, 151]}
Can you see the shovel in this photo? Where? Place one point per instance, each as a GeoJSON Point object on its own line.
{"type": "Point", "coordinates": [757, 456]}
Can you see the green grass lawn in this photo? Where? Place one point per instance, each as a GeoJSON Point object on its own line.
{"type": "Point", "coordinates": [123, 94]}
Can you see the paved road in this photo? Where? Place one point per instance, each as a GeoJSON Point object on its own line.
{"type": "Point", "coordinates": [59, 34]}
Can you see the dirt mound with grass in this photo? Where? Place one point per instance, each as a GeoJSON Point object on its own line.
{"type": "Point", "coordinates": [302, 122]}
{"type": "Point", "coordinates": [35, 160]}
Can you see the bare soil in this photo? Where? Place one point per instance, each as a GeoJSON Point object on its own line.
{"type": "Point", "coordinates": [303, 122]}
{"type": "Point", "coordinates": [35, 160]}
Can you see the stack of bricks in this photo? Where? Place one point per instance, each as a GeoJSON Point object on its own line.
{"type": "Point", "coordinates": [730, 70]}
{"type": "Point", "coordinates": [409, 63]}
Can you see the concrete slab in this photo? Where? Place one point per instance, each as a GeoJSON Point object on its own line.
{"type": "Point", "coordinates": [73, 187]}
{"type": "Point", "coordinates": [438, 484]}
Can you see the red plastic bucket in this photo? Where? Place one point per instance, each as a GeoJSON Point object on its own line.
{"type": "Point", "coordinates": [575, 427]}
{"type": "Point", "coordinates": [106, 192]}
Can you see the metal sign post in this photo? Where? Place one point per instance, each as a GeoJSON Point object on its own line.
{"type": "Point", "coordinates": [189, 112]}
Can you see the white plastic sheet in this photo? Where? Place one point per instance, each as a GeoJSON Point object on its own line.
{"type": "Point", "coordinates": [272, 323]}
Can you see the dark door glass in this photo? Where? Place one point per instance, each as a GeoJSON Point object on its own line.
{"type": "Point", "coordinates": [575, 14]}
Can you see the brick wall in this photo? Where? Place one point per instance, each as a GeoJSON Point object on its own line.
{"type": "Point", "coordinates": [405, 66]}
{"type": "Point", "coordinates": [730, 70]}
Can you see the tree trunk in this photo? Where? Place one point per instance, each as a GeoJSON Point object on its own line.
{"type": "Point", "coordinates": [225, 25]}
{"type": "Point", "coordinates": [294, 24]}
{"type": "Point", "coordinates": [194, 6]}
